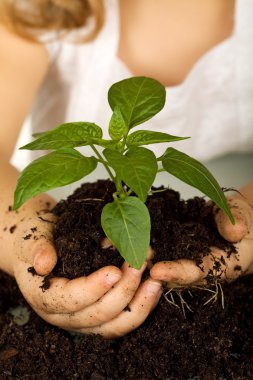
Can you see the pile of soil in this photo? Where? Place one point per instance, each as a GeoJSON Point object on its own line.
{"type": "Point", "coordinates": [209, 342]}
{"type": "Point", "coordinates": [178, 229]}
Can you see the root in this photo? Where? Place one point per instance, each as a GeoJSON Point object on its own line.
{"type": "Point", "coordinates": [169, 296]}
{"type": "Point", "coordinates": [215, 293]}
{"type": "Point", "coordinates": [182, 305]}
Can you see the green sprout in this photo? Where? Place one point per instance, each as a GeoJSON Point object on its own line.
{"type": "Point", "coordinates": [130, 165]}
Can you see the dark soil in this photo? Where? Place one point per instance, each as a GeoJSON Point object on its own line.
{"type": "Point", "coordinates": [179, 229]}
{"type": "Point", "coordinates": [209, 342]}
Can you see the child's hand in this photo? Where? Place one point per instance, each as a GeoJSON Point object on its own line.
{"type": "Point", "coordinates": [186, 273]}
{"type": "Point", "coordinates": [101, 302]}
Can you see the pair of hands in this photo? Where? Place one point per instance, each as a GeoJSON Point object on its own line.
{"type": "Point", "coordinates": [113, 301]}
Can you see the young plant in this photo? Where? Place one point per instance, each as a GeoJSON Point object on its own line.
{"type": "Point", "coordinates": [130, 165]}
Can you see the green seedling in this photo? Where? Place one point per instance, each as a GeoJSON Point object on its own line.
{"type": "Point", "coordinates": [129, 163]}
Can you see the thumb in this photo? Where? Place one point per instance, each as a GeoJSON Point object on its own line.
{"type": "Point", "coordinates": [242, 214]}
{"type": "Point", "coordinates": [45, 257]}
{"type": "Point", "coordinates": [34, 243]}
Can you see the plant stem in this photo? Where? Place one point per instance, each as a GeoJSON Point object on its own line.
{"type": "Point", "coordinates": [103, 162]}
{"type": "Point", "coordinates": [124, 143]}
{"type": "Point", "coordinates": [119, 188]}
{"type": "Point", "coordinates": [161, 170]}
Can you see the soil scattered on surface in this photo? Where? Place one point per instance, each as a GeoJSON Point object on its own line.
{"type": "Point", "coordinates": [207, 343]}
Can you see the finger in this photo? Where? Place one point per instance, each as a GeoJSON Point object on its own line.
{"type": "Point", "coordinates": [31, 235]}
{"type": "Point", "coordinates": [215, 266]}
{"type": "Point", "coordinates": [245, 257]}
{"type": "Point", "coordinates": [45, 257]}
{"type": "Point", "coordinates": [110, 305]}
{"type": "Point", "coordinates": [106, 243]}
{"type": "Point", "coordinates": [63, 295]}
{"type": "Point", "coordinates": [85, 291]}
{"type": "Point", "coordinates": [177, 273]}
{"type": "Point", "coordinates": [150, 254]}
{"type": "Point", "coordinates": [242, 214]}
{"type": "Point", "coordinates": [144, 301]}
{"type": "Point", "coordinates": [185, 272]}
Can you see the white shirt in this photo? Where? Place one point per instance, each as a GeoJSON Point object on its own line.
{"type": "Point", "coordinates": [214, 104]}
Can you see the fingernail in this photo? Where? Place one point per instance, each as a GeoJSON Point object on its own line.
{"type": "Point", "coordinates": [137, 272]}
{"type": "Point", "coordinates": [38, 253]}
{"type": "Point", "coordinates": [153, 286]}
{"type": "Point", "coordinates": [112, 278]}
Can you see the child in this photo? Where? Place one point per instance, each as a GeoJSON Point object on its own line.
{"type": "Point", "coordinates": [200, 50]}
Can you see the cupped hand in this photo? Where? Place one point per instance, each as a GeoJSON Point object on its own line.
{"type": "Point", "coordinates": [110, 301]}
{"type": "Point", "coordinates": [186, 273]}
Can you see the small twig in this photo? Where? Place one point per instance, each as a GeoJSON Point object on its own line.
{"type": "Point", "coordinates": [89, 199]}
{"type": "Point", "coordinates": [158, 191]}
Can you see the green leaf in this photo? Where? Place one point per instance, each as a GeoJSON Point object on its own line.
{"type": "Point", "coordinates": [116, 160]}
{"type": "Point", "coordinates": [137, 168]}
{"type": "Point", "coordinates": [195, 174]}
{"type": "Point", "coordinates": [68, 135]}
{"type": "Point", "coordinates": [139, 99]}
{"type": "Point", "coordinates": [126, 222]}
{"type": "Point", "coordinates": [37, 134]}
{"type": "Point", "coordinates": [56, 169]}
{"type": "Point", "coordinates": [117, 126]}
{"type": "Point", "coordinates": [143, 137]}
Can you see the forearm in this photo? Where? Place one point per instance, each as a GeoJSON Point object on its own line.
{"type": "Point", "coordinates": [11, 221]}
